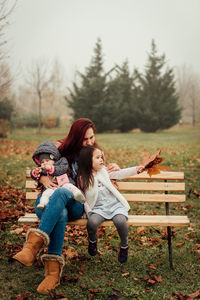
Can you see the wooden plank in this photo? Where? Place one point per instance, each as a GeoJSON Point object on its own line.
{"type": "Point", "coordinates": [32, 195]}
{"type": "Point", "coordinates": [28, 219]}
{"type": "Point", "coordinates": [133, 220]}
{"type": "Point", "coordinates": [30, 184]}
{"type": "Point", "coordinates": [155, 198]}
{"type": "Point", "coordinates": [152, 186]}
{"type": "Point", "coordinates": [138, 186]}
{"type": "Point", "coordinates": [146, 221]}
{"type": "Point", "coordinates": [164, 175]}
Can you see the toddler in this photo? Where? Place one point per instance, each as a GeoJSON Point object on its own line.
{"type": "Point", "coordinates": [50, 162]}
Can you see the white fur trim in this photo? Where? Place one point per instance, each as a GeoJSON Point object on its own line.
{"type": "Point", "coordinates": [40, 233]}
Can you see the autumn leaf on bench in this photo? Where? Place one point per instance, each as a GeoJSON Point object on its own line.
{"type": "Point", "coordinates": [151, 163]}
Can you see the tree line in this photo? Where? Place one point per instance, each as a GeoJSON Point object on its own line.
{"type": "Point", "coordinates": [119, 100]}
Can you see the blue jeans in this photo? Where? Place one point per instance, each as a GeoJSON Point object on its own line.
{"type": "Point", "coordinates": [53, 219]}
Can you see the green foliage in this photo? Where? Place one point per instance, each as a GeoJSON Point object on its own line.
{"type": "Point", "coordinates": [147, 101]}
{"type": "Point", "coordinates": [6, 109]}
{"type": "Point", "coordinates": [87, 101]}
{"type": "Point", "coordinates": [157, 102]}
{"type": "Point", "coordinates": [121, 100]}
{"type": "Point", "coordinates": [30, 120]}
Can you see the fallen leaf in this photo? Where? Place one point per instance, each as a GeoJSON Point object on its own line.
{"type": "Point", "coordinates": [70, 253]}
{"type": "Point", "coordinates": [180, 244]}
{"type": "Point", "coordinates": [140, 230]}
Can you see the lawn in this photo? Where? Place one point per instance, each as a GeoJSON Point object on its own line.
{"type": "Point", "coordinates": [146, 275]}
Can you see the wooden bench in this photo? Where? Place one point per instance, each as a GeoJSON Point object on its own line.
{"type": "Point", "coordinates": [166, 187]}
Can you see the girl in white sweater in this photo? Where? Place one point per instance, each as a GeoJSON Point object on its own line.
{"type": "Point", "coordinates": [103, 200]}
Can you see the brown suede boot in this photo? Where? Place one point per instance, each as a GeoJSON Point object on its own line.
{"type": "Point", "coordinates": [36, 239]}
{"type": "Point", "coordinates": [53, 269]}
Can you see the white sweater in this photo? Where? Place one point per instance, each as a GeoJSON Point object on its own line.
{"type": "Point", "coordinates": [104, 177]}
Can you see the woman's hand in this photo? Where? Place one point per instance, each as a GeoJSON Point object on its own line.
{"type": "Point", "coordinates": [140, 169]}
{"type": "Point", "coordinates": [113, 167]}
{"type": "Point", "coordinates": [47, 182]}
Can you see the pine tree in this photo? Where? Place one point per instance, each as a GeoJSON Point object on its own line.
{"type": "Point", "coordinates": [88, 100]}
{"type": "Point", "coordinates": [120, 97]}
{"type": "Point", "coordinates": [157, 102]}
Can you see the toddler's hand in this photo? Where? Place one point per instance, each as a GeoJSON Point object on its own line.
{"type": "Point", "coordinates": [37, 171]}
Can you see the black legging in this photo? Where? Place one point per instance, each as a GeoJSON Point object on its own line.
{"type": "Point", "coordinates": [119, 221]}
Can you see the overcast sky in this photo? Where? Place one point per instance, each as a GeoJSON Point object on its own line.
{"type": "Point", "coordinates": [68, 30]}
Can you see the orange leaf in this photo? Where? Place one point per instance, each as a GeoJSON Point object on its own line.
{"type": "Point", "coordinates": [151, 162]}
{"type": "Point", "coordinates": [140, 230]}
{"type": "Point", "coordinates": [180, 244]}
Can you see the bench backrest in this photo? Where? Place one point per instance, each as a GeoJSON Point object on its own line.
{"type": "Point", "coordinates": [165, 187]}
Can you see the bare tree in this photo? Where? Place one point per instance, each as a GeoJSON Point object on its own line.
{"type": "Point", "coordinates": [38, 80]}
{"type": "Point", "coordinates": [189, 94]}
{"type": "Point", "coordinates": [54, 102]}
{"type": "Point", "coordinates": [6, 8]}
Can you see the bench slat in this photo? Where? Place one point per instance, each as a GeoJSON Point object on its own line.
{"type": "Point", "coordinates": [138, 186]}
{"type": "Point", "coordinates": [132, 220]}
{"type": "Point", "coordinates": [154, 198]}
{"type": "Point", "coordinates": [151, 186]}
{"type": "Point", "coordinates": [164, 175]}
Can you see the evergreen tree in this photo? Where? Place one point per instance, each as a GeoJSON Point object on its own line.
{"type": "Point", "coordinates": [157, 102]}
{"type": "Point", "coordinates": [120, 97]}
{"type": "Point", "coordinates": [88, 100]}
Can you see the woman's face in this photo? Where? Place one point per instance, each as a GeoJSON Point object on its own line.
{"type": "Point", "coordinates": [89, 138]}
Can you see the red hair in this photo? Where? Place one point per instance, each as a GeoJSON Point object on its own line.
{"type": "Point", "coordinates": [72, 144]}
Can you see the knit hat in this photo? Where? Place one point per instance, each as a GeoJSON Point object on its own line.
{"type": "Point", "coordinates": [42, 156]}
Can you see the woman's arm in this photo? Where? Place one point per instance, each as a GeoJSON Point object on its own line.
{"type": "Point", "coordinates": [47, 182]}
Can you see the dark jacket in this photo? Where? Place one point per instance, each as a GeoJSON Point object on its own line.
{"type": "Point", "coordinates": [61, 164]}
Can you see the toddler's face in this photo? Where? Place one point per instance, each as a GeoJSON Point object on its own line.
{"type": "Point", "coordinates": [97, 160]}
{"type": "Point", "coordinates": [47, 161]}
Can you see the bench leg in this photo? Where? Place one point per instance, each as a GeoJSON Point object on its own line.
{"type": "Point", "coordinates": [170, 247]}
{"type": "Point", "coordinates": [169, 233]}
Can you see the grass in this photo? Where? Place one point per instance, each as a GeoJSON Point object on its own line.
{"type": "Point", "coordinates": [102, 277]}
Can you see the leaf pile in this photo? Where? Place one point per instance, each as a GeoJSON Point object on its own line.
{"type": "Point", "coordinates": [12, 204]}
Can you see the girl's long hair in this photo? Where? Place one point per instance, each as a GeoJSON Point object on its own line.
{"type": "Point", "coordinates": [85, 176]}
{"type": "Point", "coordinates": [72, 144]}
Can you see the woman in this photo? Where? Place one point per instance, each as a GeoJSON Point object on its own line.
{"type": "Point", "coordinates": [61, 208]}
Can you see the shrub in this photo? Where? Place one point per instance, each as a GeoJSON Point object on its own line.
{"type": "Point", "coordinates": [30, 120]}
{"type": "Point", "coordinates": [51, 121]}
{"type": "Point", "coordinates": [4, 128]}
{"type": "Point", "coordinates": [6, 109]}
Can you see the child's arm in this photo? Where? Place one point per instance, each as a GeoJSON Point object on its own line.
{"type": "Point", "coordinates": [124, 173]}
{"type": "Point", "coordinates": [59, 168]}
